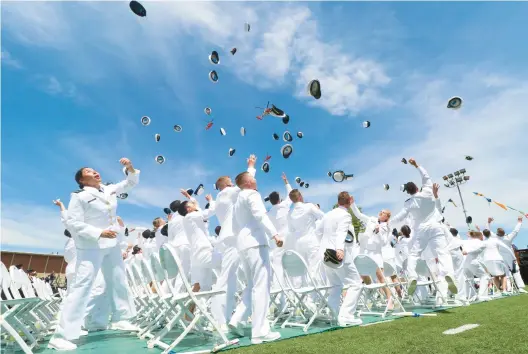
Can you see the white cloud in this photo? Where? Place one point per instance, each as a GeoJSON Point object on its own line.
{"type": "Point", "coordinates": [8, 60]}
{"type": "Point", "coordinates": [491, 127]}
{"type": "Point", "coordinates": [278, 49]}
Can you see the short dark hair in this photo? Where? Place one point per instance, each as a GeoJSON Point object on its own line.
{"type": "Point", "coordinates": [174, 206]}
{"type": "Point", "coordinates": [165, 230]}
{"type": "Point", "coordinates": [136, 249]}
{"type": "Point", "coordinates": [67, 233]}
{"type": "Point", "coordinates": [79, 175]}
{"type": "Point", "coordinates": [453, 231]}
{"type": "Point", "coordinates": [406, 230]}
{"type": "Point", "coordinates": [343, 198]}
{"type": "Point", "coordinates": [217, 230]}
{"type": "Point", "coordinates": [410, 188]}
{"type": "Point", "coordinates": [182, 209]}
{"type": "Point", "coordinates": [500, 232]}
{"type": "Point", "coordinates": [486, 232]}
{"type": "Point", "coordinates": [146, 234]}
{"type": "Point", "coordinates": [274, 198]}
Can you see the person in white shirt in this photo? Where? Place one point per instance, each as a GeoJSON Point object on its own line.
{"type": "Point", "coordinates": [222, 306]}
{"type": "Point", "coordinates": [179, 240]}
{"type": "Point", "coordinates": [254, 230]}
{"type": "Point", "coordinates": [158, 224]}
{"type": "Point", "coordinates": [472, 249]}
{"type": "Point", "coordinates": [201, 247]}
{"type": "Point", "coordinates": [301, 235]}
{"type": "Point", "coordinates": [92, 221]}
{"type": "Point", "coordinates": [428, 231]}
{"type": "Point", "coordinates": [334, 230]}
{"type": "Point", "coordinates": [149, 243]}
{"type": "Point", "coordinates": [509, 257]}
{"type": "Point", "coordinates": [371, 242]}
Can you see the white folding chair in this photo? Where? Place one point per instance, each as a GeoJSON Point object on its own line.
{"type": "Point", "coordinates": [294, 266]}
{"type": "Point", "coordinates": [366, 266]}
{"type": "Point", "coordinates": [171, 264]}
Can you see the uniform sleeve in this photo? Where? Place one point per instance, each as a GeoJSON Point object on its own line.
{"type": "Point", "coordinates": [207, 213]}
{"type": "Point", "coordinates": [427, 183]}
{"type": "Point", "coordinates": [258, 210]}
{"type": "Point", "coordinates": [64, 218]}
{"type": "Point", "coordinates": [358, 214]}
{"type": "Point", "coordinates": [401, 215]}
{"type": "Point", "coordinates": [342, 231]}
{"type": "Point", "coordinates": [130, 182]}
{"type": "Point", "coordinates": [252, 171]}
{"type": "Point", "coordinates": [438, 204]}
{"type": "Point", "coordinates": [287, 202]}
{"type": "Point", "coordinates": [316, 212]}
{"type": "Point", "coordinates": [76, 220]}
{"type": "Point", "coordinates": [514, 233]}
{"type": "Point", "coordinates": [478, 250]}
{"type": "Point", "coordinates": [319, 229]}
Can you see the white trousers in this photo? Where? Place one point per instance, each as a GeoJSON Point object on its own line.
{"type": "Point", "coordinates": [98, 307]}
{"type": "Point", "coordinates": [338, 278]}
{"type": "Point", "coordinates": [460, 275]}
{"type": "Point", "coordinates": [89, 262]}
{"type": "Point", "coordinates": [222, 306]}
{"type": "Point", "coordinates": [431, 235]}
{"type": "Point", "coordinates": [474, 268]}
{"type": "Point", "coordinates": [256, 295]}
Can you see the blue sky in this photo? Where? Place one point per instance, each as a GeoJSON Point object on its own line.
{"type": "Point", "coordinates": [77, 77]}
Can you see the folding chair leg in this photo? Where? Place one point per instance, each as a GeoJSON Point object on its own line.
{"type": "Point", "coordinates": [15, 335]}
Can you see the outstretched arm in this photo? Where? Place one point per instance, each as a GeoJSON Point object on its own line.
{"type": "Point", "coordinates": [427, 183]}
{"type": "Point", "coordinates": [287, 201]}
{"type": "Point", "coordinates": [515, 231]}
{"type": "Point", "coordinates": [132, 178]}
{"type": "Point", "coordinates": [364, 218]}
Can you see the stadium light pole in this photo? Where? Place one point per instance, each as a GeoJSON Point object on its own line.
{"type": "Point", "coordinates": [455, 179]}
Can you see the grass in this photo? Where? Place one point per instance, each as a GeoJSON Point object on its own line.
{"type": "Point", "coordinates": [503, 329]}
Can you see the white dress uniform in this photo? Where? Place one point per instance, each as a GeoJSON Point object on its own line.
{"type": "Point", "coordinates": [89, 213]}
{"type": "Point", "coordinates": [201, 247]}
{"type": "Point", "coordinates": [70, 254]}
{"type": "Point", "coordinates": [508, 254]}
{"type": "Point", "coordinates": [254, 230]}
{"type": "Point", "coordinates": [334, 229]}
{"type": "Point", "coordinates": [370, 242]}
{"type": "Point", "coordinates": [301, 235]}
{"type": "Point", "coordinates": [473, 267]}
{"type": "Point", "coordinates": [492, 258]}
{"type": "Point", "coordinates": [160, 239]}
{"type": "Point", "coordinates": [428, 231]}
{"type": "Point", "coordinates": [352, 250]}
{"type": "Point", "coordinates": [222, 306]}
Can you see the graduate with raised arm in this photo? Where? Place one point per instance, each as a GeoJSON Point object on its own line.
{"type": "Point", "coordinates": [428, 230]}
{"type": "Point", "coordinates": [222, 306]}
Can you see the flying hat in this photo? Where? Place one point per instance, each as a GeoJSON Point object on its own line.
{"type": "Point", "coordinates": [233, 51]}
{"type": "Point", "coordinates": [340, 176]}
{"type": "Point", "coordinates": [122, 196]}
{"type": "Point", "coordinates": [167, 211]}
{"type": "Point", "coordinates": [314, 89]}
{"type": "Point", "coordinates": [207, 111]}
{"type": "Point", "coordinates": [306, 185]}
{"type": "Point", "coordinates": [469, 220]}
{"type": "Point", "coordinates": [286, 151]}
{"type": "Point", "coordinates": [157, 137]}
{"type": "Point", "coordinates": [454, 103]}
{"type": "Point", "coordinates": [287, 136]}
{"type": "Point", "coordinates": [301, 184]}
{"type": "Point", "coordinates": [298, 180]}
{"type": "Point", "coordinates": [403, 160]}
{"type": "Point", "coordinates": [213, 76]}
{"type": "Point", "coordinates": [243, 131]}
{"type": "Point", "coordinates": [300, 135]}
{"type": "Point", "coordinates": [199, 190]}
{"type": "Point", "coordinates": [126, 231]}
{"type": "Point", "coordinates": [159, 159]}
{"type": "Point", "coordinates": [231, 152]}
{"type": "Point", "coordinates": [286, 119]}
{"type": "Point", "coordinates": [265, 167]}
{"type": "Point", "coordinates": [178, 128]}
{"type": "Point", "coordinates": [67, 233]}
{"type": "Point", "coordinates": [469, 158]}
{"type": "Point", "coordinates": [222, 131]}
{"type": "Point", "coordinates": [247, 27]}
{"type": "Point", "coordinates": [215, 187]}
{"type": "Point", "coordinates": [145, 120]}
{"type": "Point", "coordinates": [275, 136]}
{"type": "Point", "coordinates": [329, 174]}
{"type": "Point", "coordinates": [386, 187]}
{"type": "Point", "coordinates": [207, 206]}
{"type": "Point", "coordinates": [189, 191]}
{"type": "Point", "coordinates": [366, 124]}
{"type": "Point", "coordinates": [138, 9]}
{"type": "Point", "coordinates": [266, 199]}
{"type": "Point", "coordinates": [214, 58]}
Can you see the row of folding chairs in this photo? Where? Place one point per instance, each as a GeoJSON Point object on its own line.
{"type": "Point", "coordinates": [29, 311]}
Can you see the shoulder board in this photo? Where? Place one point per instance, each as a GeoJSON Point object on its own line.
{"type": "Point", "coordinates": [407, 200]}
{"type": "Point", "coordinates": [78, 191]}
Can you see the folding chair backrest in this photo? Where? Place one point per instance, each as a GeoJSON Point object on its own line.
{"type": "Point", "coordinates": [168, 262]}
{"type": "Point", "coordinates": [422, 268]}
{"type": "Point", "coordinates": [148, 275]}
{"type": "Point", "coordinates": [388, 270]}
{"type": "Point", "coordinates": [6, 281]}
{"type": "Point", "coordinates": [157, 269]}
{"type": "Point", "coordinates": [293, 264]}
{"type": "Point", "coordinates": [366, 266]}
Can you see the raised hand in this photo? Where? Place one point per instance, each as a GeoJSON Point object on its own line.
{"type": "Point", "coordinates": [208, 197]}
{"type": "Point", "coordinates": [185, 194]}
{"type": "Point", "coordinates": [490, 220]}
{"type": "Point", "coordinates": [252, 159]}
{"type": "Point", "coordinates": [412, 162]}
{"type": "Point", "coordinates": [436, 187]}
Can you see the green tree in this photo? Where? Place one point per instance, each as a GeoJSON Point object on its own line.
{"type": "Point", "coordinates": [358, 225]}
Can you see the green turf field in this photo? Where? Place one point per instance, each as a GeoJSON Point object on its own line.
{"type": "Point", "coordinates": [503, 329]}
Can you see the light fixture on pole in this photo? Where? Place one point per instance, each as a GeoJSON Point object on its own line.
{"type": "Point", "coordinates": [455, 179]}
